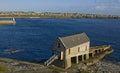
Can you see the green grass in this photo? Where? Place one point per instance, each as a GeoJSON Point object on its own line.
{"type": "Point", "coordinates": [2, 69]}
{"type": "Point", "coordinates": [84, 72]}
{"type": "Point", "coordinates": [56, 68]}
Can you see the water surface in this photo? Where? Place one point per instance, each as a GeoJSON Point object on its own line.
{"type": "Point", "coordinates": [36, 36]}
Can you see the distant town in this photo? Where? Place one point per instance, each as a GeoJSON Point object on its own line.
{"type": "Point", "coordinates": [54, 15]}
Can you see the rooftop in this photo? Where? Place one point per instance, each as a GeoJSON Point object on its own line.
{"type": "Point", "coordinates": [74, 40]}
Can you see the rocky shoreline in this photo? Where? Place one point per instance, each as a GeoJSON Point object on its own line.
{"type": "Point", "coordinates": [15, 66]}
{"type": "Point", "coordinates": [103, 66]}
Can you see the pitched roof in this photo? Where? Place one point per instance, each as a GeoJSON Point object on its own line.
{"type": "Point", "coordinates": [74, 40]}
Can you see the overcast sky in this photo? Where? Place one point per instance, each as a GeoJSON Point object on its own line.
{"type": "Point", "coordinates": [75, 6]}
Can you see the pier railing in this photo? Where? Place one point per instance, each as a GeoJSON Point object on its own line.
{"type": "Point", "coordinates": [50, 60]}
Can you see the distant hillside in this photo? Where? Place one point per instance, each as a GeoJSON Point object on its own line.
{"type": "Point", "coordinates": [54, 15]}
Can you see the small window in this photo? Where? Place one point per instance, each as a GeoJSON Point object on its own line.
{"type": "Point", "coordinates": [78, 49]}
{"type": "Point", "coordinates": [68, 51]}
{"type": "Point", "coordinates": [58, 45]}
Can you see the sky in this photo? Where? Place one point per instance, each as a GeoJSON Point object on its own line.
{"type": "Point", "coordinates": [109, 7]}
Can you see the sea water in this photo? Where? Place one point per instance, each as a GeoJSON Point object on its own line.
{"type": "Point", "coordinates": [36, 36]}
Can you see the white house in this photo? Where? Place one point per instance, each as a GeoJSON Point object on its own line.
{"type": "Point", "coordinates": [72, 48]}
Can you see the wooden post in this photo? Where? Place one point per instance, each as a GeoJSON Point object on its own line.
{"type": "Point", "coordinates": [77, 60]}
{"type": "Point", "coordinates": [87, 56]}
{"type": "Point", "coordinates": [82, 57]}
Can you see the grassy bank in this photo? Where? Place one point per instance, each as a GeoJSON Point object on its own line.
{"type": "Point", "coordinates": [3, 69]}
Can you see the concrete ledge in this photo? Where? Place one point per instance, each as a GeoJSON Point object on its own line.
{"type": "Point", "coordinates": [98, 57]}
{"type": "Point", "coordinates": [3, 22]}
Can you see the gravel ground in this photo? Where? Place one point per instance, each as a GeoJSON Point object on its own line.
{"type": "Point", "coordinates": [103, 66]}
{"type": "Point", "coordinates": [107, 67]}
{"type": "Point", "coordinates": [12, 66]}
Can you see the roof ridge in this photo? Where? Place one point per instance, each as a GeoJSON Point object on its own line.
{"type": "Point", "coordinates": [74, 35]}
{"type": "Point", "coordinates": [62, 42]}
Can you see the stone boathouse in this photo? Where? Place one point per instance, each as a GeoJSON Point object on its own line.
{"type": "Point", "coordinates": [72, 48]}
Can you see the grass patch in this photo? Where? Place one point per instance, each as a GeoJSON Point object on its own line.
{"type": "Point", "coordinates": [84, 72]}
{"type": "Point", "coordinates": [56, 68]}
{"type": "Point", "coordinates": [2, 69]}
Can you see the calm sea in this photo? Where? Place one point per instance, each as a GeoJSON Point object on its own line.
{"type": "Point", "coordinates": [36, 36]}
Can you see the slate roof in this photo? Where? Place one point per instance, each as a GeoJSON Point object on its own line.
{"type": "Point", "coordinates": [74, 40]}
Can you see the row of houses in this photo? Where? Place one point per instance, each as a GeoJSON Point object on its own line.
{"type": "Point", "coordinates": [56, 15]}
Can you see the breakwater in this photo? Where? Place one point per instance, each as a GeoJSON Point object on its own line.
{"type": "Point", "coordinates": [7, 22]}
{"type": "Point", "coordinates": [3, 22]}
